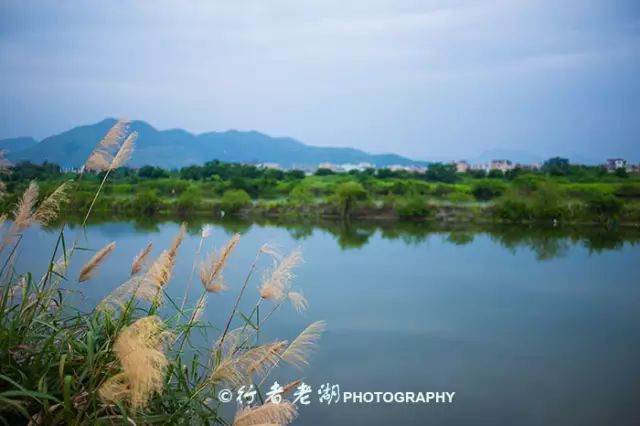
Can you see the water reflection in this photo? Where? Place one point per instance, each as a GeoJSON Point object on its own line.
{"type": "Point", "coordinates": [547, 242]}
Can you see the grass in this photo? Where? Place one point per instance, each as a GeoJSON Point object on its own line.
{"type": "Point", "coordinates": [131, 359]}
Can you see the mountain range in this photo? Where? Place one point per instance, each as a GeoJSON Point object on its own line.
{"type": "Point", "coordinates": [178, 148]}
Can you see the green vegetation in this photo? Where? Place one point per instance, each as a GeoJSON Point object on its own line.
{"type": "Point", "coordinates": [559, 192]}
{"type": "Point", "coordinates": [136, 357]}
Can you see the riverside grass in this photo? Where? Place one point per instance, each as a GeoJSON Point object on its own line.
{"type": "Point", "coordinates": [119, 363]}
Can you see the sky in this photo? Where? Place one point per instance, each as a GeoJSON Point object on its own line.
{"type": "Point", "coordinates": [429, 79]}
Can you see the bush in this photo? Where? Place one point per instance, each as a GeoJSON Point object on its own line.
{"type": "Point", "coordinates": [412, 207]}
{"type": "Point", "coordinates": [300, 195]}
{"type": "Point", "coordinates": [487, 190]}
{"type": "Point", "coordinates": [512, 209]}
{"type": "Point", "coordinates": [233, 200]}
{"type": "Point", "coordinates": [189, 200]}
{"type": "Point", "coordinates": [604, 205]}
{"type": "Point", "coordinates": [546, 202]}
{"type": "Point", "coordinates": [147, 202]}
{"type": "Point", "coordinates": [441, 190]}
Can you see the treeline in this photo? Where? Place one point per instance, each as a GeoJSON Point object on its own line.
{"type": "Point", "coordinates": [558, 192]}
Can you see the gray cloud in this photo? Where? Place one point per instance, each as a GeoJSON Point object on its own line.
{"type": "Point", "coordinates": [429, 79]}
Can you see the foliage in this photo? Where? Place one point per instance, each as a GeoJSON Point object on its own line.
{"type": "Point", "coordinates": [556, 166]}
{"type": "Point", "coordinates": [234, 199]}
{"type": "Point", "coordinates": [189, 200]}
{"type": "Point", "coordinates": [412, 207]}
{"type": "Point", "coordinates": [604, 205]}
{"type": "Point", "coordinates": [147, 202]}
{"type": "Point", "coordinates": [488, 189]}
{"type": "Point", "coordinates": [121, 362]}
{"type": "Point", "coordinates": [347, 194]}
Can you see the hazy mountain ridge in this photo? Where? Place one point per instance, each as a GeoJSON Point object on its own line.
{"type": "Point", "coordinates": [178, 148]}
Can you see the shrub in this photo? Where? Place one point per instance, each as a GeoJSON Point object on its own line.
{"type": "Point", "coordinates": [412, 207]}
{"type": "Point", "coordinates": [189, 199]}
{"type": "Point", "coordinates": [147, 202]}
{"type": "Point", "coordinates": [300, 195]}
{"type": "Point", "coordinates": [546, 202]}
{"type": "Point", "coordinates": [604, 205]}
{"type": "Point", "coordinates": [234, 200]}
{"type": "Point", "coordinates": [488, 189]}
{"type": "Point", "coordinates": [511, 209]}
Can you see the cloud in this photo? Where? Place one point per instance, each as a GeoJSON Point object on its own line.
{"type": "Point", "coordinates": [423, 78]}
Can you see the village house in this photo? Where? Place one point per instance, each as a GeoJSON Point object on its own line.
{"type": "Point", "coordinates": [502, 165]}
{"type": "Point", "coordinates": [614, 164]}
{"type": "Point", "coordinates": [462, 166]}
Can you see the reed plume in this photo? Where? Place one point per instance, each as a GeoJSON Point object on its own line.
{"type": "Point", "coordinates": [124, 153]}
{"type": "Point", "coordinates": [238, 368]}
{"type": "Point", "coordinates": [23, 214]}
{"type": "Point", "coordinates": [211, 269]}
{"type": "Point", "coordinates": [90, 267]}
{"type": "Point", "coordinates": [102, 156]}
{"type": "Point", "coordinates": [177, 240]}
{"type": "Point", "coordinates": [297, 353]}
{"type": "Point", "coordinates": [277, 414]}
{"type": "Point", "coordinates": [298, 301]}
{"type": "Point", "coordinates": [138, 348]}
{"type": "Point", "coordinates": [147, 287]}
{"type": "Point", "coordinates": [275, 283]}
{"type": "Point", "coordinates": [139, 260]}
{"type": "Point", "coordinates": [270, 250]}
{"type": "Point", "coordinates": [49, 208]}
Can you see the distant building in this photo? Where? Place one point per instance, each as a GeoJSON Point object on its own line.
{"type": "Point", "coordinates": [462, 166]}
{"type": "Point", "coordinates": [614, 164]}
{"type": "Point", "coordinates": [502, 165]}
{"type": "Point", "coordinates": [273, 166]}
{"type": "Point", "coordinates": [347, 167]}
{"type": "Point", "coordinates": [412, 168]}
{"type": "Point", "coordinates": [329, 166]}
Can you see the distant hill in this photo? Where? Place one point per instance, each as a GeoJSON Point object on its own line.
{"type": "Point", "coordinates": [177, 148]}
{"type": "Point", "coordinates": [16, 144]}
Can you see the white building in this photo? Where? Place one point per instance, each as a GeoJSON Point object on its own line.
{"type": "Point", "coordinates": [614, 164]}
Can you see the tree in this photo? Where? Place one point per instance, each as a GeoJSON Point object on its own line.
{"type": "Point", "coordinates": [152, 172]}
{"type": "Point", "coordinates": [441, 173]}
{"type": "Point", "coordinates": [496, 174]}
{"type": "Point", "coordinates": [348, 194]}
{"type": "Point", "coordinates": [556, 166]}
{"type": "Point", "coordinates": [324, 172]}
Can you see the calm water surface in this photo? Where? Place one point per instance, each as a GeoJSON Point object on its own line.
{"type": "Point", "coordinates": [528, 327]}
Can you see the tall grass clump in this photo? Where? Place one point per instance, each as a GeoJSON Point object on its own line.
{"type": "Point", "coordinates": [132, 359]}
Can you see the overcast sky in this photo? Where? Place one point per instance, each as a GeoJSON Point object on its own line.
{"type": "Point", "coordinates": [424, 78]}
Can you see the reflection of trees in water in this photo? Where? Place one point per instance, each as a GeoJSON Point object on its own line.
{"type": "Point", "coordinates": [546, 242]}
{"type": "Point", "coordinates": [460, 238]}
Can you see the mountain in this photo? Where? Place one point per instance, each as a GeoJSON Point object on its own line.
{"type": "Point", "coordinates": [177, 148]}
{"type": "Point", "coordinates": [16, 144]}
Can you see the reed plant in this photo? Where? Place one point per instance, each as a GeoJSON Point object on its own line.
{"type": "Point", "coordinates": [130, 359]}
